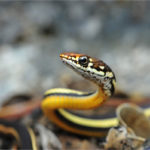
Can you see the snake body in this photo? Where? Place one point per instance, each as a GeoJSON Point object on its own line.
{"type": "Point", "coordinates": [23, 136]}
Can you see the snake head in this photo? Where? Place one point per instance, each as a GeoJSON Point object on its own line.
{"type": "Point", "coordinates": [92, 69]}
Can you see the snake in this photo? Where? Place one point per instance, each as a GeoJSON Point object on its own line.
{"type": "Point", "coordinates": [58, 102]}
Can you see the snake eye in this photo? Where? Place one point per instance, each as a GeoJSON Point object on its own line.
{"type": "Point", "coordinates": [83, 60]}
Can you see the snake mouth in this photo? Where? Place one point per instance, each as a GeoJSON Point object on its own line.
{"type": "Point", "coordinates": [68, 63]}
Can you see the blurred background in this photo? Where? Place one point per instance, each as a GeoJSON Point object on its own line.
{"type": "Point", "coordinates": [33, 34]}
